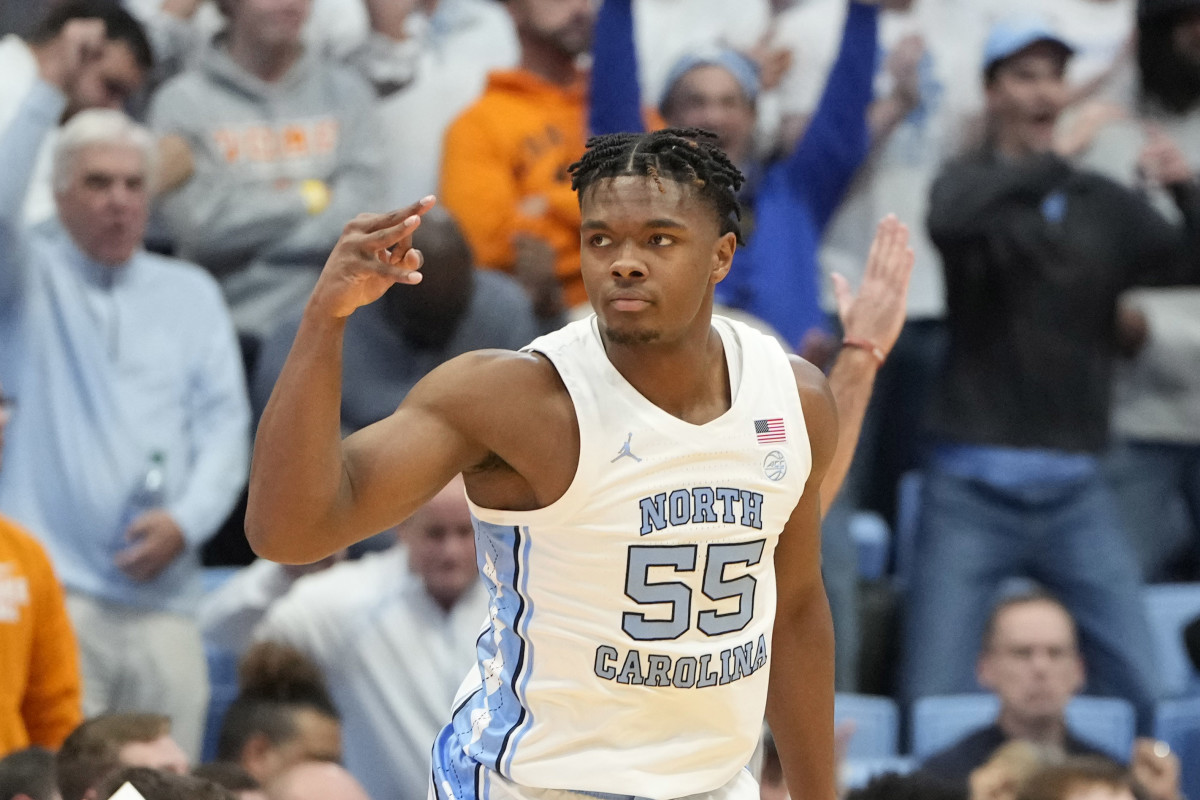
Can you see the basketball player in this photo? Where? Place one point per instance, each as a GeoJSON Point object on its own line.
{"type": "Point", "coordinates": [644, 487]}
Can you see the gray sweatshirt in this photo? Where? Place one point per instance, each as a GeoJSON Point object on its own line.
{"type": "Point", "coordinates": [254, 143]}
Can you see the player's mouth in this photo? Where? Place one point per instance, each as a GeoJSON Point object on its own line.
{"type": "Point", "coordinates": [628, 301]}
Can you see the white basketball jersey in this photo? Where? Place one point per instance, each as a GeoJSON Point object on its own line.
{"type": "Point", "coordinates": [629, 635]}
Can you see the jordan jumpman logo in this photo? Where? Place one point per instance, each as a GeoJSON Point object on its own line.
{"type": "Point", "coordinates": [625, 451]}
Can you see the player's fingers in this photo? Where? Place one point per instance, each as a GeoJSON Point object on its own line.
{"type": "Point", "coordinates": [366, 225]}
{"type": "Point", "coordinates": [394, 237]}
{"type": "Point", "coordinates": [417, 209]}
{"type": "Point", "coordinates": [413, 259]}
{"type": "Point", "coordinates": [405, 270]}
{"type": "Point", "coordinates": [370, 223]}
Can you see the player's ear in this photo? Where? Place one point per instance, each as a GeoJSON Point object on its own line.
{"type": "Point", "coordinates": [722, 256]}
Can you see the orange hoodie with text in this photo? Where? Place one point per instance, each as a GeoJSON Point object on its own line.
{"type": "Point", "coordinates": [504, 171]}
{"type": "Point", "coordinates": [40, 686]}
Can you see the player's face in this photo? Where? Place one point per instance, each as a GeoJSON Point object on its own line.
{"type": "Point", "coordinates": [1026, 97]}
{"type": "Point", "coordinates": [709, 97]}
{"type": "Point", "coordinates": [106, 201]}
{"type": "Point", "coordinates": [1033, 662]}
{"type": "Point", "coordinates": [651, 254]}
{"type": "Point", "coordinates": [441, 546]}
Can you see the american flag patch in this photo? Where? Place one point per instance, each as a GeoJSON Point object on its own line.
{"type": "Point", "coordinates": [770, 430]}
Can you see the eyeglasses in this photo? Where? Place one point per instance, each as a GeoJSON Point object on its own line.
{"type": "Point", "coordinates": [8, 403]}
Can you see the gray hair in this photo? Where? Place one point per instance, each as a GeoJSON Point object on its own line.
{"type": "Point", "coordinates": [99, 126]}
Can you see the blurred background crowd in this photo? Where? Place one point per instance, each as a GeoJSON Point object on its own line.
{"type": "Point", "coordinates": [1012, 563]}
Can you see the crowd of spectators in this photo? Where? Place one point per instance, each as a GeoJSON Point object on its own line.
{"type": "Point", "coordinates": [173, 174]}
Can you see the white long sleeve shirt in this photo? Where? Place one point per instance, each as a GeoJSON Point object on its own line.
{"type": "Point", "coordinates": [110, 364]}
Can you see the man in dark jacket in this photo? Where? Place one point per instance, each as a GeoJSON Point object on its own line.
{"type": "Point", "coordinates": [1036, 253]}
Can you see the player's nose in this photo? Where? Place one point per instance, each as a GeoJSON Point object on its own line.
{"type": "Point", "coordinates": [627, 265]}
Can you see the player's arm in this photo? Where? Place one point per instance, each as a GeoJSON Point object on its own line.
{"type": "Point", "coordinates": [800, 693]}
{"type": "Point", "coordinates": [310, 492]}
{"type": "Point", "coordinates": [871, 322]}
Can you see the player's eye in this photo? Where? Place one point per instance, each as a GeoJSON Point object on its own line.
{"type": "Point", "coordinates": [599, 240]}
{"type": "Point", "coordinates": [661, 240]}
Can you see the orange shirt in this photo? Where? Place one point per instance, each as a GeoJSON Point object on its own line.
{"type": "Point", "coordinates": [40, 687]}
{"type": "Point", "coordinates": [504, 171]}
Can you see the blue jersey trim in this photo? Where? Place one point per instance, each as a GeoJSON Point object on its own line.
{"type": "Point", "coordinates": [521, 660]}
{"type": "Point", "coordinates": [465, 702]}
{"type": "Point", "coordinates": [487, 726]}
{"type": "Point", "coordinates": [522, 547]}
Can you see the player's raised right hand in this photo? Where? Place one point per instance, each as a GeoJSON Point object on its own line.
{"type": "Point", "coordinates": [373, 252]}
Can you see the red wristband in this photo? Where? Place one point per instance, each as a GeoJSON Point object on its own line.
{"type": "Point", "coordinates": [869, 346]}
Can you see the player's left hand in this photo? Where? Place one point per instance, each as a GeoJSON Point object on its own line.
{"type": "Point", "coordinates": [876, 314]}
{"type": "Point", "coordinates": [155, 540]}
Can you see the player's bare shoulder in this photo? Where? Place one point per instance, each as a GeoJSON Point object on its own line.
{"type": "Point", "coordinates": [513, 406]}
{"type": "Point", "coordinates": [488, 383]}
{"type": "Point", "coordinates": [811, 383]}
{"type": "Point", "coordinates": [820, 409]}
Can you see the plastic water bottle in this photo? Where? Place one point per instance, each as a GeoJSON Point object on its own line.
{"type": "Point", "coordinates": [151, 492]}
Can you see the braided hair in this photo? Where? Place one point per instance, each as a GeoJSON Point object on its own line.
{"type": "Point", "coordinates": [685, 155]}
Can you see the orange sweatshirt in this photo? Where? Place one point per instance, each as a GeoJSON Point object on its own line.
{"type": "Point", "coordinates": [40, 687]}
{"type": "Point", "coordinates": [504, 171]}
